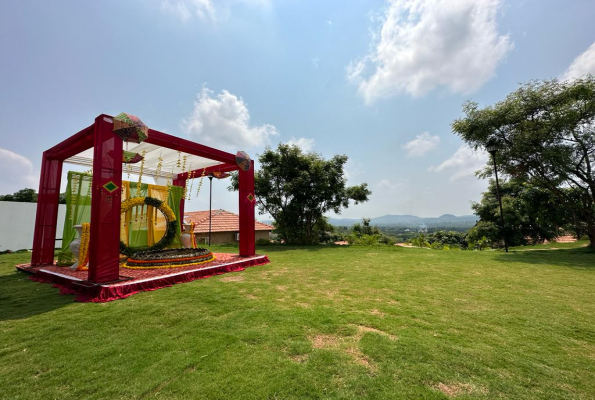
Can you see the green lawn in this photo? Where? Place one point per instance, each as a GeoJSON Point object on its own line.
{"type": "Point", "coordinates": [318, 322]}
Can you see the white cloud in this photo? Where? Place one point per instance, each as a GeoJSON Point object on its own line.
{"type": "Point", "coordinates": [389, 187]}
{"type": "Point", "coordinates": [315, 62]}
{"type": "Point", "coordinates": [421, 144]}
{"type": "Point", "coordinates": [425, 44]}
{"type": "Point", "coordinates": [306, 144]}
{"type": "Point", "coordinates": [352, 170]}
{"type": "Point", "coordinates": [463, 163]}
{"type": "Point", "coordinates": [188, 9]}
{"type": "Point", "coordinates": [329, 22]}
{"type": "Point", "coordinates": [223, 121]}
{"type": "Point", "coordinates": [582, 65]}
{"type": "Point", "coordinates": [207, 10]}
{"type": "Point", "coordinates": [17, 173]}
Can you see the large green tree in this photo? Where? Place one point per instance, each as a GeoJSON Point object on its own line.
{"type": "Point", "coordinates": [531, 214]}
{"type": "Point", "coordinates": [298, 188]}
{"type": "Point", "coordinates": [546, 136]}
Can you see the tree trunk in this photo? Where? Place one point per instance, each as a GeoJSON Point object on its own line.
{"type": "Point", "coordinates": [591, 236]}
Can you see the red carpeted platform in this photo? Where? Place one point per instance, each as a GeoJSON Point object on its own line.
{"type": "Point", "coordinates": [132, 280]}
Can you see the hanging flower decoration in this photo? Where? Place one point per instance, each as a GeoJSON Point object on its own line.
{"type": "Point", "coordinates": [140, 174]}
{"type": "Point", "coordinates": [83, 256]}
{"type": "Point", "coordinates": [170, 217]}
{"type": "Point", "coordinates": [130, 128]}
{"type": "Point", "coordinates": [191, 179]}
{"type": "Point", "coordinates": [202, 176]}
{"type": "Point", "coordinates": [159, 166]}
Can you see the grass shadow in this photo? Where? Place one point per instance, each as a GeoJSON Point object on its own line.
{"type": "Point", "coordinates": [583, 258]}
{"type": "Point", "coordinates": [21, 298]}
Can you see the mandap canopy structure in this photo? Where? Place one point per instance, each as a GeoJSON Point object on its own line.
{"type": "Point", "coordinates": [101, 146]}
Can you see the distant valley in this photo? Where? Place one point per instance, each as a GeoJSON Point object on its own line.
{"type": "Point", "coordinates": [410, 221]}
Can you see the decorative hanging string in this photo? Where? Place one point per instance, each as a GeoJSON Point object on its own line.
{"type": "Point", "coordinates": [191, 178]}
{"type": "Point", "coordinates": [186, 181]}
{"type": "Point", "coordinates": [169, 182]}
{"type": "Point", "coordinates": [202, 176]}
{"type": "Point", "coordinates": [140, 174]}
{"type": "Point", "coordinates": [178, 164]}
{"type": "Point", "coordinates": [159, 166]}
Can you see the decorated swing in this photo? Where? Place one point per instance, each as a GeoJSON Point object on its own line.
{"type": "Point", "coordinates": [125, 223]}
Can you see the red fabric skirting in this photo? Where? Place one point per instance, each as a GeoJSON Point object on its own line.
{"type": "Point", "coordinates": [99, 293]}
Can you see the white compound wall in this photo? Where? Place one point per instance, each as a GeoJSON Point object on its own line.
{"type": "Point", "coordinates": [17, 223]}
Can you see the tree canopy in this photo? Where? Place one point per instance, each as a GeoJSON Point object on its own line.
{"type": "Point", "coordinates": [22, 196]}
{"type": "Point", "coordinates": [545, 132]}
{"type": "Point", "coordinates": [531, 214]}
{"type": "Point", "coordinates": [27, 196]}
{"type": "Point", "coordinates": [298, 188]}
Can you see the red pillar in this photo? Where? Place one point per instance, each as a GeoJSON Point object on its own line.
{"type": "Point", "coordinates": [181, 182]}
{"type": "Point", "coordinates": [104, 249]}
{"type": "Point", "coordinates": [44, 238]}
{"type": "Point", "coordinates": [247, 201]}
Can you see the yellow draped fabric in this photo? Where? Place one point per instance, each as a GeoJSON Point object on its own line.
{"type": "Point", "coordinates": [142, 226]}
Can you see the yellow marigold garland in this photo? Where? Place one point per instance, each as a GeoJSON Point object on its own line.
{"type": "Point", "coordinates": [83, 256]}
{"type": "Point", "coordinates": [124, 265]}
{"type": "Point", "coordinates": [192, 235]}
{"type": "Point", "coordinates": [163, 207]}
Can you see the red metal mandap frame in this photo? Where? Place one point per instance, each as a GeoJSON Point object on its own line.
{"type": "Point", "coordinates": [104, 249]}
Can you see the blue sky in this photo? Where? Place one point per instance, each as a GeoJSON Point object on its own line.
{"type": "Point", "coordinates": [378, 81]}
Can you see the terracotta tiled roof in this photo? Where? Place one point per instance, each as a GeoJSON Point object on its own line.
{"type": "Point", "coordinates": [223, 221]}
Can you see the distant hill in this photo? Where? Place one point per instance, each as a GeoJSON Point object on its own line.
{"type": "Point", "coordinates": [409, 221]}
{"type": "Point", "coordinates": [412, 221]}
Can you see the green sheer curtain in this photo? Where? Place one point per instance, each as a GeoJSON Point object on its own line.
{"type": "Point", "coordinates": [78, 211]}
{"type": "Point", "coordinates": [173, 201]}
{"type": "Point", "coordinates": [137, 228]}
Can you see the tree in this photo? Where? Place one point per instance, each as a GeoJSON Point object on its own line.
{"type": "Point", "coordinates": [28, 196]}
{"type": "Point", "coordinates": [546, 136]}
{"type": "Point", "coordinates": [298, 188]}
{"type": "Point", "coordinates": [531, 214]}
{"type": "Point", "coordinates": [22, 196]}
{"type": "Point", "coordinates": [368, 235]}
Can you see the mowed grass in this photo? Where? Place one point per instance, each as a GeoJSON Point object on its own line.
{"type": "Point", "coordinates": [318, 322]}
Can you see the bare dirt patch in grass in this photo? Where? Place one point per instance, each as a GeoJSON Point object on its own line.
{"type": "Point", "coordinates": [458, 389]}
{"type": "Point", "coordinates": [377, 312]}
{"type": "Point", "coordinates": [232, 278]}
{"type": "Point", "coordinates": [300, 358]}
{"type": "Point", "coordinates": [350, 345]}
{"type": "Point", "coordinates": [325, 341]}
{"type": "Point", "coordinates": [361, 359]}
{"type": "Point", "coordinates": [362, 329]}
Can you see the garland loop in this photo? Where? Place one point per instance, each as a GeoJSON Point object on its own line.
{"type": "Point", "coordinates": [170, 217]}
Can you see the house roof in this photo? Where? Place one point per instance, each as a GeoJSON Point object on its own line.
{"type": "Point", "coordinates": [223, 221]}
